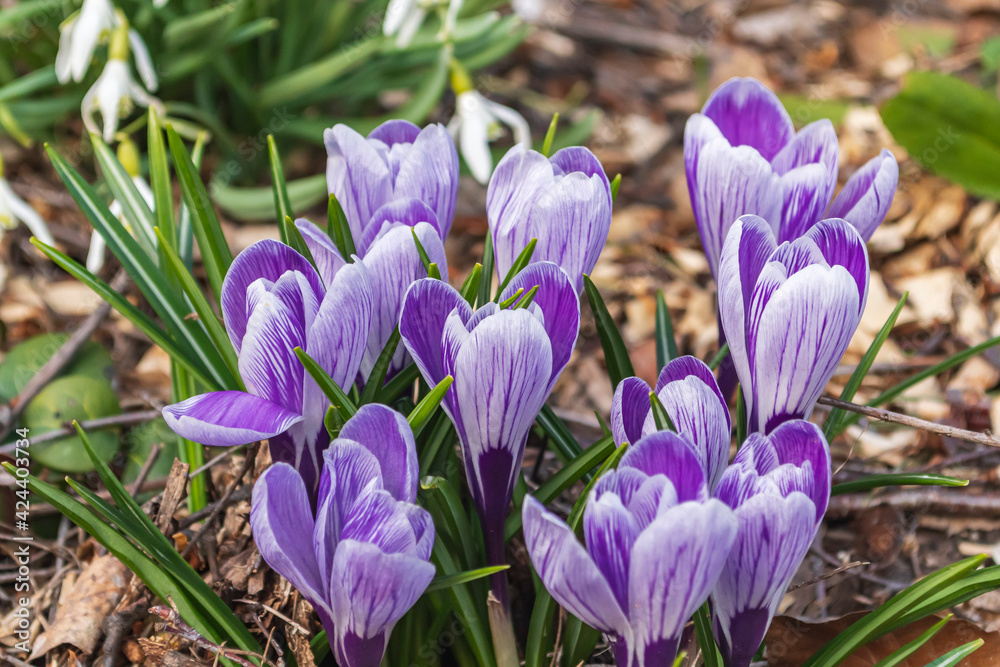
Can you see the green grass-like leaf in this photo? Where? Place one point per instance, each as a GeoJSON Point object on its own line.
{"type": "Point", "coordinates": [615, 353]}
{"type": "Point", "coordinates": [957, 655]}
{"type": "Point", "coordinates": [904, 652]}
{"type": "Point", "coordinates": [134, 206]}
{"type": "Point", "coordinates": [899, 479]}
{"type": "Point", "coordinates": [486, 284]}
{"type": "Point", "coordinates": [520, 262]}
{"type": "Point", "coordinates": [377, 377]}
{"type": "Point", "coordinates": [666, 343]}
{"type": "Point", "coordinates": [337, 397]}
{"type": "Point", "coordinates": [441, 583]}
{"type": "Point", "coordinates": [470, 288]}
{"type": "Point", "coordinates": [422, 411]}
{"type": "Point", "coordinates": [339, 229]}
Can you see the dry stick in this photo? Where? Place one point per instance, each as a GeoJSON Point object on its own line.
{"type": "Point", "coordinates": [247, 465]}
{"type": "Point", "coordinates": [986, 438]}
{"type": "Point", "coordinates": [827, 575]}
{"type": "Point", "coordinates": [241, 494]}
{"type": "Point", "coordinates": [115, 420]}
{"type": "Point", "coordinates": [58, 361]}
{"type": "Point", "coordinates": [154, 453]}
{"type": "Point", "coordinates": [928, 499]}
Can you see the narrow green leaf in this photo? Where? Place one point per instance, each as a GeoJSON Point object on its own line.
{"type": "Point", "coordinates": [904, 652]}
{"type": "Point", "coordinates": [201, 306]}
{"type": "Point", "coordinates": [703, 627]}
{"type": "Point", "coordinates": [566, 445]}
{"type": "Point", "coordinates": [666, 344]}
{"type": "Point", "coordinates": [509, 301]}
{"type": "Point", "coordinates": [338, 398]}
{"type": "Point", "coordinates": [470, 288]}
{"type": "Point", "coordinates": [429, 266]}
{"type": "Point", "coordinates": [428, 404]}
{"type": "Point", "coordinates": [441, 583]}
{"type": "Point", "coordinates": [660, 415]}
{"type": "Point", "coordinates": [179, 351]}
{"type": "Point", "coordinates": [957, 655]}
{"type": "Point", "coordinates": [486, 284]}
{"type": "Point", "coordinates": [898, 479]}
{"type": "Point", "coordinates": [566, 477]}
{"type": "Point", "coordinates": [465, 607]}
{"type": "Point", "coordinates": [615, 354]}
{"type": "Point", "coordinates": [441, 433]}
{"type": "Point", "coordinates": [830, 426]}
{"type": "Point", "coordinates": [377, 377]}
{"type": "Point", "coordinates": [719, 356]}
{"type": "Point", "coordinates": [215, 253]}
{"type": "Point", "coordinates": [159, 179]}
{"type": "Point", "coordinates": [550, 135]}
{"type": "Point", "coordinates": [895, 391]}
{"type": "Point", "coordinates": [741, 417]}
{"type": "Point", "coordinates": [526, 300]}
{"type": "Point", "coordinates": [522, 261]}
{"type": "Point", "coordinates": [400, 382]}
{"type": "Point", "coordinates": [183, 386]}
{"type": "Point", "coordinates": [616, 185]}
{"type": "Point", "coordinates": [339, 229]}
{"type": "Point", "coordinates": [307, 79]}
{"type": "Point", "coordinates": [134, 207]}
{"type": "Point", "coordinates": [576, 514]}
{"type": "Point", "coordinates": [257, 204]}
{"type": "Point", "coordinates": [282, 205]}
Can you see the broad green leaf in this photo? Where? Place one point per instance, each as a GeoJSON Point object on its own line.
{"type": "Point", "coordinates": [72, 397]}
{"type": "Point", "coordinates": [338, 398]}
{"type": "Point", "coordinates": [215, 253]}
{"type": "Point", "coordinates": [832, 422]}
{"type": "Point", "coordinates": [443, 503]}
{"type": "Point", "coordinates": [666, 344]}
{"type": "Point", "coordinates": [897, 479]}
{"type": "Point", "coordinates": [615, 354]}
{"type": "Point", "coordinates": [950, 127]}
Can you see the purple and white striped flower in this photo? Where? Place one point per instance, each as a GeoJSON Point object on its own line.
{"type": "Point", "coordinates": [789, 311]}
{"type": "Point", "coordinates": [274, 301]}
{"type": "Point", "coordinates": [504, 363]}
{"type": "Point", "coordinates": [742, 156]}
{"type": "Point", "coordinates": [779, 487]}
{"type": "Point", "coordinates": [563, 201]}
{"type": "Point", "coordinates": [397, 160]}
{"type": "Point", "coordinates": [360, 558]}
{"type": "Point", "coordinates": [655, 547]}
{"type": "Point", "coordinates": [689, 393]}
{"type": "Point", "coordinates": [390, 255]}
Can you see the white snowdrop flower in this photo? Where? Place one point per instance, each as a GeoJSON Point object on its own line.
{"type": "Point", "coordinates": [477, 122]}
{"type": "Point", "coordinates": [79, 36]}
{"type": "Point", "coordinates": [13, 209]}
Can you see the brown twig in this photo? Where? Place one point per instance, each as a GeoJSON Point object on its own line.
{"type": "Point", "coordinates": [247, 465]}
{"type": "Point", "coordinates": [58, 361]}
{"type": "Point", "coordinates": [827, 575]}
{"type": "Point", "coordinates": [913, 422]}
{"type": "Point", "coordinates": [115, 420]}
{"type": "Point", "coordinates": [926, 499]}
{"type": "Point", "coordinates": [239, 495]}
{"type": "Point", "coordinates": [154, 453]}
{"type": "Point", "coordinates": [116, 625]}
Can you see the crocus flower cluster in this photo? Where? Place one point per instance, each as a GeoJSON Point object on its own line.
{"type": "Point", "coordinates": [674, 525]}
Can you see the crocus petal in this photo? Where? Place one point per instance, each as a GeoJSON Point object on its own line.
{"type": "Point", "coordinates": [748, 114]}
{"type": "Point", "coordinates": [501, 378]}
{"type": "Point", "coordinates": [280, 314]}
{"type": "Point", "coordinates": [378, 518]}
{"type": "Point", "coordinates": [227, 418]}
{"type": "Point", "coordinates": [426, 307]}
{"type": "Point", "coordinates": [697, 409]}
{"type": "Point", "coordinates": [407, 211]}
{"type": "Point", "coordinates": [675, 564]}
{"type": "Point", "coordinates": [666, 453]}
{"type": "Point", "coordinates": [357, 175]}
{"type": "Point", "coordinates": [840, 244]}
{"type": "Point", "coordinates": [393, 264]}
{"type": "Point", "coordinates": [560, 306]}
{"type": "Point", "coordinates": [370, 592]}
{"type": "Point", "coordinates": [867, 196]}
{"type": "Point", "coordinates": [520, 178]}
{"type": "Point", "coordinates": [773, 537]}
{"type": "Point", "coordinates": [808, 166]}
{"type": "Point", "coordinates": [282, 524]}
{"type": "Point", "coordinates": [568, 572]}
{"type": "Point", "coordinates": [730, 182]}
{"type": "Point", "coordinates": [629, 409]}
{"type": "Point", "coordinates": [610, 531]}
{"type": "Point", "coordinates": [387, 435]}
{"type": "Point", "coordinates": [429, 172]}
{"type": "Point", "coordinates": [802, 444]}
{"type": "Point", "coordinates": [328, 259]}
{"type": "Point", "coordinates": [267, 259]}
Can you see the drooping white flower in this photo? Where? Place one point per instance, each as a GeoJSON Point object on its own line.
{"type": "Point", "coordinates": [403, 18]}
{"type": "Point", "coordinates": [95, 255]}
{"type": "Point", "coordinates": [114, 93]}
{"type": "Point", "coordinates": [477, 122]}
{"type": "Point", "coordinates": [529, 10]}
{"type": "Point", "coordinates": [13, 209]}
{"type": "Point", "coordinates": [79, 36]}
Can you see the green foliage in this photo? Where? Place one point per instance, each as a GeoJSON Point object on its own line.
{"type": "Point", "coordinates": [615, 353]}
{"type": "Point", "coordinates": [950, 127]}
{"type": "Point", "coordinates": [26, 358]}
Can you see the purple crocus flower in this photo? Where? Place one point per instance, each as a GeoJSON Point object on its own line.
{"type": "Point", "coordinates": [397, 160]}
{"type": "Point", "coordinates": [655, 546]}
{"type": "Point", "coordinates": [361, 558]}
{"type": "Point", "coordinates": [273, 301]}
{"type": "Point", "coordinates": [789, 312]}
{"type": "Point", "coordinates": [563, 201]}
{"type": "Point", "coordinates": [390, 254]}
{"type": "Point", "coordinates": [505, 363]}
{"type": "Point", "coordinates": [742, 156]}
{"type": "Point", "coordinates": [689, 393]}
{"type": "Point", "coordinates": [779, 487]}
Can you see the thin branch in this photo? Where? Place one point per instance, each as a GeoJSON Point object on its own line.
{"type": "Point", "coordinates": [124, 419]}
{"type": "Point", "coordinates": [827, 575]}
{"type": "Point", "coordinates": [986, 438]}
